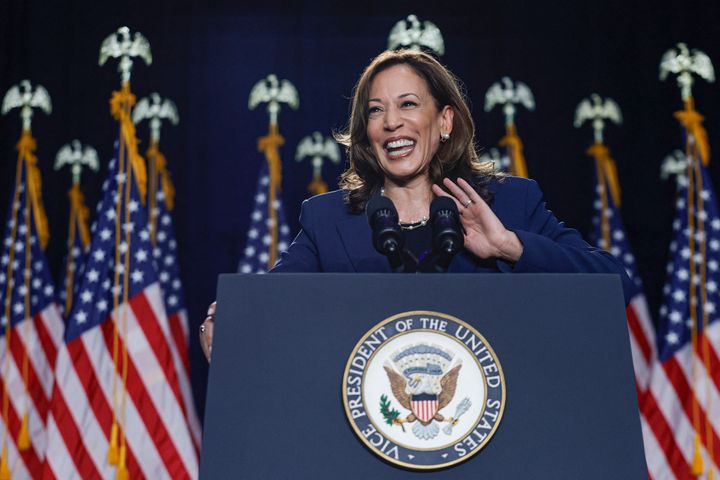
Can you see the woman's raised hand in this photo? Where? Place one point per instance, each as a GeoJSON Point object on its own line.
{"type": "Point", "coordinates": [485, 235]}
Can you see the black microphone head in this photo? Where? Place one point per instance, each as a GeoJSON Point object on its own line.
{"type": "Point", "coordinates": [382, 216]}
{"type": "Point", "coordinates": [378, 203]}
{"type": "Point", "coordinates": [443, 203]}
{"type": "Point", "coordinates": [448, 236]}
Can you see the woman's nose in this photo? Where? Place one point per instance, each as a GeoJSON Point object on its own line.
{"type": "Point", "coordinates": [393, 119]}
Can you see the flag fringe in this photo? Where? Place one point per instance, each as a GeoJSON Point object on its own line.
{"type": "Point", "coordinates": [606, 163]}
{"type": "Point", "coordinates": [269, 145]}
{"type": "Point", "coordinates": [512, 141]}
{"type": "Point", "coordinates": [164, 173]}
{"type": "Point", "coordinates": [122, 470]}
{"type": "Point", "coordinates": [121, 104]}
{"type": "Point", "coordinates": [697, 462]}
{"type": "Point", "coordinates": [691, 120]}
{"type": "Point", "coordinates": [317, 186]}
{"type": "Point", "coordinates": [26, 146]}
{"type": "Point", "coordinates": [77, 203]}
{"type": "Point", "coordinates": [112, 453]}
{"type": "Point", "coordinates": [23, 440]}
{"type": "Point", "coordinates": [4, 468]}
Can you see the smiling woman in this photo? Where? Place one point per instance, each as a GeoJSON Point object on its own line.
{"type": "Point", "coordinates": [408, 96]}
{"type": "Point", "coordinates": [405, 125]}
{"type": "Point", "coordinates": [411, 139]}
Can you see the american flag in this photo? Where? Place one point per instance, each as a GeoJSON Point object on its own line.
{"type": "Point", "coordinates": [261, 249]}
{"type": "Point", "coordinates": [116, 366]}
{"type": "Point", "coordinates": [609, 234]}
{"type": "Point", "coordinates": [78, 243]}
{"type": "Point", "coordinates": [166, 261]}
{"type": "Point", "coordinates": [682, 406]}
{"type": "Point", "coordinates": [32, 337]}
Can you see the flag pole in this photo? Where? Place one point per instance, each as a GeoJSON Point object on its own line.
{"type": "Point", "coordinates": [273, 92]}
{"type": "Point", "coordinates": [269, 145]}
{"type": "Point", "coordinates": [4, 466]}
{"type": "Point", "coordinates": [508, 95]}
{"type": "Point", "coordinates": [77, 157]}
{"type": "Point", "coordinates": [597, 111]}
{"type": "Point", "coordinates": [119, 45]}
{"type": "Point", "coordinates": [161, 193]}
{"type": "Point", "coordinates": [684, 64]}
{"type": "Point", "coordinates": [22, 96]}
{"type": "Point", "coordinates": [122, 472]}
{"type": "Point", "coordinates": [156, 109]}
{"type": "Point", "coordinates": [317, 148]}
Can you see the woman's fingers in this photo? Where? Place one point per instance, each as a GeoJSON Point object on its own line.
{"type": "Point", "coordinates": [206, 335]}
{"type": "Point", "coordinates": [469, 191]}
{"type": "Point", "coordinates": [465, 197]}
{"type": "Point", "coordinates": [484, 208]}
{"type": "Point", "coordinates": [456, 191]}
{"type": "Point", "coordinates": [463, 192]}
{"type": "Point", "coordinates": [442, 193]}
{"type": "Point", "coordinates": [206, 331]}
{"type": "Point", "coordinates": [485, 235]}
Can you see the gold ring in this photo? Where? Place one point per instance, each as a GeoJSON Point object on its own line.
{"type": "Point", "coordinates": [468, 203]}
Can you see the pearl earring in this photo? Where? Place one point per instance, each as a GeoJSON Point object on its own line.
{"type": "Point", "coordinates": [444, 137]}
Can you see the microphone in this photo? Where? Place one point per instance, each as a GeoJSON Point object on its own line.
{"type": "Point", "coordinates": [387, 236]}
{"type": "Point", "coordinates": [448, 237]}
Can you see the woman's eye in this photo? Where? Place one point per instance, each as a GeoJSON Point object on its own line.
{"type": "Point", "coordinates": [374, 109]}
{"type": "Point", "coordinates": [409, 103]}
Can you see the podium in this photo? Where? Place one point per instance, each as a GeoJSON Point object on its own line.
{"type": "Point", "coordinates": [282, 341]}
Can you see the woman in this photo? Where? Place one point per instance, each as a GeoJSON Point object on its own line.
{"type": "Point", "coordinates": [411, 138]}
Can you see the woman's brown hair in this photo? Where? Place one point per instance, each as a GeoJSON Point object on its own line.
{"type": "Point", "coordinates": [456, 158]}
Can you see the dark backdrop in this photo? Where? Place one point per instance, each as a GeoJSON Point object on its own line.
{"type": "Point", "coordinates": [208, 56]}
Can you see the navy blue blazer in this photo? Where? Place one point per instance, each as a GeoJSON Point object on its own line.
{"type": "Point", "coordinates": [334, 239]}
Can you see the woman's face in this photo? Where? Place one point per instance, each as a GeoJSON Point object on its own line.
{"type": "Point", "coordinates": [404, 125]}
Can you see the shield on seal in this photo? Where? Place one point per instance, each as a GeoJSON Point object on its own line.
{"type": "Point", "coordinates": [424, 406]}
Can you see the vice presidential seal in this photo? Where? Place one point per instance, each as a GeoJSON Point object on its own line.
{"type": "Point", "coordinates": [424, 390]}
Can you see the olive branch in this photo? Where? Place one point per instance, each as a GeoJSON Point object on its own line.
{"type": "Point", "coordinates": [389, 414]}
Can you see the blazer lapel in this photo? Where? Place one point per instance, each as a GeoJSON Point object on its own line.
{"type": "Point", "coordinates": [356, 237]}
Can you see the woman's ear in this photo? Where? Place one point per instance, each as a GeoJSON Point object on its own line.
{"type": "Point", "coordinates": [446, 119]}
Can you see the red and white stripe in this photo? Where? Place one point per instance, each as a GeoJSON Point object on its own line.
{"type": "Point", "coordinates": [39, 338]}
{"type": "Point", "coordinates": [644, 353]}
{"type": "Point", "coordinates": [425, 409]}
{"type": "Point", "coordinates": [180, 341]}
{"type": "Point", "coordinates": [160, 445]}
{"type": "Point", "coordinates": [669, 431]}
{"type": "Point", "coordinates": [642, 340]}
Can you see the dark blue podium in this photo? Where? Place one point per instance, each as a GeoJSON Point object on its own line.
{"type": "Point", "coordinates": [274, 406]}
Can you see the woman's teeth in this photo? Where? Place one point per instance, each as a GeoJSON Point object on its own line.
{"type": "Point", "coordinates": [403, 142]}
{"type": "Point", "coordinates": [398, 148]}
{"type": "Point", "coordinates": [399, 153]}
